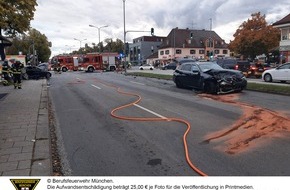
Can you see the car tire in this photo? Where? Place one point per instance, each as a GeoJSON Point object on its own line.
{"type": "Point", "coordinates": [268, 78]}
{"type": "Point", "coordinates": [90, 69]}
{"type": "Point", "coordinates": [64, 69]}
{"type": "Point", "coordinates": [141, 68]}
{"type": "Point", "coordinates": [48, 75]}
{"type": "Point", "coordinates": [178, 83]}
{"type": "Point", "coordinates": [151, 69]}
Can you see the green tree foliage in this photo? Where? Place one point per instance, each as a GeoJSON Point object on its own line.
{"type": "Point", "coordinates": [15, 16]}
{"type": "Point", "coordinates": [255, 37]}
{"type": "Point", "coordinates": [24, 44]}
{"type": "Point", "coordinates": [111, 46]}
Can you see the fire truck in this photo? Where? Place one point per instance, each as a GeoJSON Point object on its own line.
{"type": "Point", "coordinates": [65, 62]}
{"type": "Point", "coordinates": [88, 62]}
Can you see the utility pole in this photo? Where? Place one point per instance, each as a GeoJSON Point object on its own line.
{"type": "Point", "coordinates": [125, 69]}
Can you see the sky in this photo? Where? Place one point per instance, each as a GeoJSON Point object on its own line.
{"type": "Point", "coordinates": [63, 21]}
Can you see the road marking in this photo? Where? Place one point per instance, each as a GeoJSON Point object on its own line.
{"type": "Point", "coordinates": [137, 83]}
{"type": "Point", "coordinates": [154, 113]}
{"type": "Point", "coordinates": [96, 86]}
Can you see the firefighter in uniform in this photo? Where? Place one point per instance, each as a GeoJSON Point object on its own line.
{"type": "Point", "coordinates": [6, 70]}
{"type": "Point", "coordinates": [16, 71]}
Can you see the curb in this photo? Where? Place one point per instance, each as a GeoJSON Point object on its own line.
{"type": "Point", "coordinates": [41, 160]}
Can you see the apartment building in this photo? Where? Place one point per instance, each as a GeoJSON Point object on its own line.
{"type": "Point", "coordinates": [200, 44]}
{"type": "Point", "coordinates": [144, 46]}
{"type": "Point", "coordinates": [284, 26]}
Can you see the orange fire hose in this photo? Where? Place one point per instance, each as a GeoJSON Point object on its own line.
{"type": "Point", "coordinates": [113, 114]}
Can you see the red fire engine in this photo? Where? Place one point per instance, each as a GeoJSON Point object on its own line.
{"type": "Point", "coordinates": [91, 62]}
{"type": "Point", "coordinates": [88, 62]}
{"type": "Point", "coordinates": [65, 62]}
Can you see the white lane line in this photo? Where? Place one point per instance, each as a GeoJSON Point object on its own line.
{"type": "Point", "coordinates": [154, 113]}
{"type": "Point", "coordinates": [137, 83]}
{"type": "Point", "coordinates": [96, 86]}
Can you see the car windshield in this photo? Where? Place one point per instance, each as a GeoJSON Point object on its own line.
{"type": "Point", "coordinates": [208, 66]}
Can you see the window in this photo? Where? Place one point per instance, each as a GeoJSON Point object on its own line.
{"type": "Point", "coordinates": [178, 51]}
{"type": "Point", "coordinates": [192, 51]}
{"type": "Point", "coordinates": [167, 52]}
{"type": "Point", "coordinates": [225, 51]}
{"type": "Point", "coordinates": [201, 51]}
{"type": "Point", "coordinates": [186, 67]}
{"type": "Point", "coordinates": [217, 51]}
{"type": "Point", "coordinates": [161, 52]}
{"type": "Point", "coordinates": [194, 68]}
{"type": "Point", "coordinates": [285, 34]}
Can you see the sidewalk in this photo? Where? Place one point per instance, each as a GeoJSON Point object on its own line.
{"type": "Point", "coordinates": [24, 130]}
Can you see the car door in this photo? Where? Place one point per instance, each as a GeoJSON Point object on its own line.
{"type": "Point", "coordinates": [282, 72]}
{"type": "Point", "coordinates": [192, 75]}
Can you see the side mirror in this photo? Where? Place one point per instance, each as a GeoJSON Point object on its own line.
{"type": "Point", "coordinates": [195, 72]}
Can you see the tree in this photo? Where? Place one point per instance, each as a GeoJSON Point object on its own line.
{"type": "Point", "coordinates": [110, 46]}
{"type": "Point", "coordinates": [254, 37]}
{"type": "Point", "coordinates": [24, 44]}
{"type": "Point", "coordinates": [15, 16]}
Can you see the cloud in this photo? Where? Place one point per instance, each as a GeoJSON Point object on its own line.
{"type": "Point", "coordinates": [62, 21]}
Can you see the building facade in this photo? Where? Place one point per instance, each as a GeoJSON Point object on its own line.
{"type": "Point", "coordinates": [143, 47]}
{"type": "Point", "coordinates": [198, 44]}
{"type": "Point", "coordinates": [284, 47]}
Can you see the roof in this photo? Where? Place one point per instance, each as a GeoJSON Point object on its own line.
{"type": "Point", "coordinates": [285, 20]}
{"type": "Point", "coordinates": [187, 38]}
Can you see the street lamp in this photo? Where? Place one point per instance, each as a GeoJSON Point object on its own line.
{"type": "Point", "coordinates": [80, 41]}
{"type": "Point", "coordinates": [99, 31]}
{"type": "Point", "coordinates": [124, 35]}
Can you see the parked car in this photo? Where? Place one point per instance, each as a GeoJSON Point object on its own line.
{"type": "Point", "coordinates": [44, 66]}
{"type": "Point", "coordinates": [146, 67]}
{"type": "Point", "coordinates": [257, 69]}
{"type": "Point", "coordinates": [209, 77]}
{"type": "Point", "coordinates": [170, 66]}
{"type": "Point", "coordinates": [235, 64]}
{"type": "Point", "coordinates": [280, 73]}
{"type": "Point", "coordinates": [180, 61]}
{"type": "Point", "coordinates": [34, 72]}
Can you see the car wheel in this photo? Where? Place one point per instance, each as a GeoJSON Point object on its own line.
{"type": "Point", "coordinates": [141, 68]}
{"type": "Point", "coordinates": [151, 68]}
{"type": "Point", "coordinates": [268, 78]}
{"type": "Point", "coordinates": [48, 75]}
{"type": "Point", "coordinates": [64, 69]}
{"type": "Point", "coordinates": [90, 69]}
{"type": "Point", "coordinates": [178, 83]}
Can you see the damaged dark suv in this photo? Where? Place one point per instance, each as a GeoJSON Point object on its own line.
{"type": "Point", "coordinates": [209, 77]}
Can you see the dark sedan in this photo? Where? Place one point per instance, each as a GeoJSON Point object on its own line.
{"type": "Point", "coordinates": [33, 72]}
{"type": "Point", "coordinates": [209, 77]}
{"type": "Point", "coordinates": [170, 66]}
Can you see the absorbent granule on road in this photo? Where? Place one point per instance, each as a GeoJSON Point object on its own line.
{"type": "Point", "coordinates": [256, 127]}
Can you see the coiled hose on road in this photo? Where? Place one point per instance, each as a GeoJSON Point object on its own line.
{"type": "Point", "coordinates": [113, 114]}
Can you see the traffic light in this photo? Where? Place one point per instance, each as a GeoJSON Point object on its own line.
{"type": "Point", "coordinates": [152, 31]}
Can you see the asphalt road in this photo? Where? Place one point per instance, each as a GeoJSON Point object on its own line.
{"type": "Point", "coordinates": [92, 142]}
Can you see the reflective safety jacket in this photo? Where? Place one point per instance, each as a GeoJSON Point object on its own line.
{"type": "Point", "coordinates": [17, 69]}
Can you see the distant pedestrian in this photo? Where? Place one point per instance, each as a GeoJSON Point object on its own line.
{"type": "Point", "coordinates": [17, 71]}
